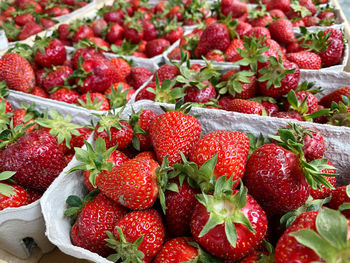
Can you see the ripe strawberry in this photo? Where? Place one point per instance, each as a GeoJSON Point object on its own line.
{"type": "Point", "coordinates": [33, 195]}
{"type": "Point", "coordinates": [56, 78]}
{"type": "Point", "coordinates": [215, 55]}
{"type": "Point", "coordinates": [340, 196]}
{"type": "Point", "coordinates": [239, 84]}
{"type": "Point", "coordinates": [172, 132]}
{"type": "Point", "coordinates": [65, 95]}
{"type": "Point", "coordinates": [289, 115]}
{"type": "Point", "coordinates": [173, 34]}
{"type": "Point", "coordinates": [175, 54]}
{"type": "Point", "coordinates": [99, 215]}
{"type": "Point", "coordinates": [133, 31]}
{"type": "Point", "coordinates": [140, 124]}
{"type": "Point", "coordinates": [49, 52]}
{"type": "Point", "coordinates": [324, 191]}
{"type": "Point", "coordinates": [83, 31]}
{"type": "Point", "coordinates": [98, 26]}
{"type": "Point", "coordinates": [277, 13]}
{"type": "Point", "coordinates": [335, 96]}
{"type": "Point", "coordinates": [21, 20]}
{"type": "Point", "coordinates": [156, 47]}
{"type": "Point", "coordinates": [119, 94]}
{"type": "Point", "coordinates": [114, 131]}
{"type": "Point", "coordinates": [232, 149]}
{"type": "Point", "coordinates": [94, 101]}
{"type": "Point", "coordinates": [114, 33]}
{"type": "Point", "coordinates": [25, 116]}
{"type": "Point", "coordinates": [138, 231]}
{"type": "Point", "coordinates": [283, 5]}
{"type": "Point", "coordinates": [85, 52]}
{"type": "Point", "coordinates": [100, 43]}
{"type": "Point", "coordinates": [177, 250]}
{"type": "Point", "coordinates": [150, 32]}
{"type": "Point", "coordinates": [141, 194]}
{"type": "Point", "coordinates": [194, 94]}
{"type": "Point", "coordinates": [310, 103]}
{"type": "Point", "coordinates": [246, 106]}
{"type": "Point", "coordinates": [29, 29]}
{"type": "Point", "coordinates": [334, 33]}
{"type": "Point", "coordinates": [242, 29]}
{"type": "Point", "coordinates": [310, 21]}
{"type": "Point", "coordinates": [122, 66]}
{"type": "Point", "coordinates": [259, 32]}
{"type": "Point", "coordinates": [235, 8]}
{"type": "Point", "coordinates": [214, 36]}
{"type": "Point", "coordinates": [305, 59]}
{"type": "Point", "coordinates": [231, 53]}
{"type": "Point", "coordinates": [333, 54]}
{"type": "Point", "coordinates": [166, 71]}
{"type": "Point", "coordinates": [17, 72]}
{"type": "Point", "coordinates": [11, 195]}
{"type": "Point", "coordinates": [308, 238]}
{"type": "Point", "coordinates": [138, 76]}
{"type": "Point", "coordinates": [237, 239]}
{"type": "Point", "coordinates": [282, 31]}
{"type": "Point", "coordinates": [36, 159]}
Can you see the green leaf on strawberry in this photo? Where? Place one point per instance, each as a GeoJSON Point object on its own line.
{"type": "Point", "coordinates": [5, 189]}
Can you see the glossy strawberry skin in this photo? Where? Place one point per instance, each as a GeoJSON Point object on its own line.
{"type": "Point", "coordinates": [246, 106]}
{"type": "Point", "coordinates": [84, 53]}
{"type": "Point", "coordinates": [305, 60]}
{"type": "Point", "coordinates": [333, 54]}
{"type": "Point", "coordinates": [290, 250]}
{"type": "Point", "coordinates": [138, 76]}
{"type": "Point", "coordinates": [57, 78]}
{"type": "Point", "coordinates": [176, 250]}
{"type": "Point", "coordinates": [335, 96]}
{"type": "Point", "coordinates": [133, 184]}
{"type": "Point", "coordinates": [55, 54]}
{"type": "Point", "coordinates": [18, 199]}
{"type": "Point", "coordinates": [156, 47]}
{"type": "Point", "coordinates": [325, 191]}
{"type": "Point", "coordinates": [215, 241]}
{"type": "Point", "coordinates": [193, 94]}
{"type": "Point", "coordinates": [36, 159]}
{"type": "Point", "coordinates": [282, 31]}
{"type": "Point", "coordinates": [100, 98]}
{"type": "Point", "coordinates": [17, 118]}
{"type": "Point", "coordinates": [339, 197]}
{"type": "Point", "coordinates": [172, 132]}
{"type": "Point", "coordinates": [232, 149]}
{"type": "Point", "coordinates": [97, 216]}
{"type": "Point", "coordinates": [231, 52]}
{"type": "Point", "coordinates": [29, 29]}
{"type": "Point", "coordinates": [146, 223]}
{"type": "Point", "coordinates": [311, 101]}
{"type": "Point", "coordinates": [121, 137]}
{"type": "Point", "coordinates": [65, 95]}
{"type": "Point", "coordinates": [275, 180]}
{"type": "Point", "coordinates": [17, 72]}
{"type": "Point", "coordinates": [314, 147]}
{"type": "Point", "coordinates": [145, 119]}
{"type": "Point", "coordinates": [166, 71]}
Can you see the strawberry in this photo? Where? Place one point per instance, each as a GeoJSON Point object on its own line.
{"type": "Point", "coordinates": [39, 148]}
{"type": "Point", "coordinates": [232, 152]}
{"type": "Point", "coordinates": [324, 191]}
{"type": "Point", "coordinates": [49, 52]}
{"type": "Point", "coordinates": [277, 13]}
{"type": "Point", "coordinates": [122, 66]}
{"type": "Point", "coordinates": [237, 239]}
{"type": "Point", "coordinates": [99, 215]}
{"type": "Point", "coordinates": [335, 96]}
{"type": "Point", "coordinates": [21, 20]}
{"type": "Point", "coordinates": [215, 55]}
{"type": "Point", "coordinates": [29, 29]}
{"type": "Point", "coordinates": [233, 8]}
{"type": "Point", "coordinates": [47, 23]}
{"type": "Point", "coordinates": [144, 190]}
{"type": "Point", "coordinates": [94, 101]}
{"type": "Point", "coordinates": [278, 78]}
{"type": "Point", "coordinates": [57, 11]}
{"type": "Point", "coordinates": [156, 47]}
{"type": "Point", "coordinates": [63, 32]}
{"type": "Point", "coordinates": [166, 71]}
{"type": "Point", "coordinates": [259, 32]}
{"type": "Point", "coordinates": [25, 116]}
{"type": "Point", "coordinates": [194, 94]}
{"type": "Point", "coordinates": [311, 21]}
{"type": "Point", "coordinates": [100, 43]}
{"type": "Point", "coordinates": [56, 78]}
{"type": "Point", "coordinates": [242, 29]}
{"type": "Point", "coordinates": [173, 33]}
{"type": "Point", "coordinates": [119, 94]}
{"type": "Point", "coordinates": [305, 59]}
{"type": "Point", "coordinates": [83, 31]}
{"type": "Point", "coordinates": [178, 249]}
{"type": "Point", "coordinates": [306, 102]}
{"type": "Point", "coordinates": [175, 54]}
{"type": "Point", "coordinates": [231, 53]}
{"type": "Point", "coordinates": [246, 106]}
{"type": "Point", "coordinates": [85, 52]}
{"type": "Point", "coordinates": [214, 36]}
{"type": "Point", "coordinates": [333, 54]}
{"type": "Point", "coordinates": [334, 33]}
{"type": "Point", "coordinates": [311, 237]}
{"type": "Point", "coordinates": [98, 26]}
{"type": "Point", "coordinates": [289, 115]}
{"type": "Point", "coordinates": [283, 5]}
{"type": "Point", "coordinates": [282, 31]}
{"type": "Point", "coordinates": [138, 76]}
{"type": "Point", "coordinates": [114, 130]}
{"type": "Point", "coordinates": [11, 195]}
{"type": "Point", "coordinates": [114, 33]}
{"type": "Point", "coordinates": [340, 199]}
{"type": "Point", "coordinates": [66, 95]}
{"type": "Point", "coordinates": [137, 237]}
{"type": "Point", "coordinates": [17, 72]}
{"type": "Point", "coordinates": [172, 132]}
{"type": "Point", "coordinates": [33, 195]}
{"type": "Point", "coordinates": [150, 31]}
{"type": "Point", "coordinates": [133, 31]}
{"type": "Point", "coordinates": [140, 124]}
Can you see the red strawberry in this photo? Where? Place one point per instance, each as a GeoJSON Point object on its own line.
{"type": "Point", "coordinates": [334, 33]}
{"type": "Point", "coordinates": [193, 94]}
{"type": "Point", "coordinates": [29, 29]}
{"type": "Point", "coordinates": [340, 195]}
{"type": "Point", "coordinates": [289, 115]}
{"type": "Point", "coordinates": [39, 148]}
{"type": "Point", "coordinates": [156, 47]}
{"type": "Point", "coordinates": [63, 32]}
{"type": "Point", "coordinates": [47, 23]}
{"type": "Point", "coordinates": [85, 53]}
{"type": "Point", "coordinates": [333, 54]}
{"type": "Point", "coordinates": [235, 8]}
{"type": "Point", "coordinates": [232, 149]}
{"type": "Point", "coordinates": [259, 32]}
{"type": "Point", "coordinates": [282, 31]}
{"type": "Point", "coordinates": [49, 52]}
{"type": "Point", "coordinates": [335, 96]}
{"type": "Point", "coordinates": [133, 31]}
{"type": "Point", "coordinates": [94, 101]}
{"type": "Point", "coordinates": [122, 66]}
{"type": "Point", "coordinates": [283, 5]}
{"type": "Point", "coordinates": [216, 237]}
{"type": "Point", "coordinates": [83, 31]}
{"type": "Point", "coordinates": [65, 95]}
{"type": "Point", "coordinates": [21, 20]}
{"type": "Point", "coordinates": [231, 52]}
{"type": "Point", "coordinates": [174, 131]}
{"type": "Point", "coordinates": [146, 224]}
{"type": "Point", "coordinates": [177, 250]}
{"type": "Point", "coordinates": [58, 77]}
{"type": "Point", "coordinates": [150, 31]}
{"type": "Point", "coordinates": [242, 29]}
{"type": "Point", "coordinates": [277, 13]}
{"type": "Point", "coordinates": [138, 76]}
{"type": "Point", "coordinates": [324, 191]}
{"type": "Point", "coordinates": [311, 102]}
{"type": "Point", "coordinates": [17, 72]}
{"type": "Point", "coordinates": [175, 54]}
{"type": "Point", "coordinates": [246, 106]}
{"type": "Point", "coordinates": [57, 11]}
{"type": "Point", "coordinates": [98, 216]}
{"type": "Point", "coordinates": [166, 71]}
{"type": "Point", "coordinates": [19, 115]}
{"type": "Point", "coordinates": [33, 195]}
{"type": "Point", "coordinates": [215, 55]}
{"type": "Point", "coordinates": [143, 191]}
{"type": "Point", "coordinates": [98, 26]}
{"type": "Point", "coordinates": [305, 59]}
{"type": "Point", "coordinates": [37, 91]}
{"type": "Point", "coordinates": [114, 33]}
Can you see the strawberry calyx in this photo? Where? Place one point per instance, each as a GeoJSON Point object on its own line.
{"type": "Point", "coordinates": [345, 206]}
{"type": "Point", "coordinates": [10, 29]}
{"type": "Point", "coordinates": [24, 50]}
{"type": "Point", "coordinates": [93, 160]}
{"type": "Point", "coordinates": [302, 11]}
{"type": "Point", "coordinates": [110, 120]}
{"type": "Point", "coordinates": [126, 251]}
{"type": "Point", "coordinates": [126, 48]}
{"type": "Point", "coordinates": [330, 241]}
{"type": "Point", "coordinates": [309, 86]}
{"type": "Point", "coordinates": [61, 127]}
{"type": "Point", "coordinates": [4, 89]}
{"type": "Point", "coordinates": [117, 97]}
{"type": "Point", "coordinates": [40, 44]}
{"type": "Point", "coordinates": [5, 117]}
{"type": "Point", "coordinates": [252, 53]}
{"type": "Point", "coordinates": [256, 142]}
{"type": "Point", "coordinates": [292, 139]}
{"type": "Point", "coordinates": [74, 26]}
{"type": "Point", "coordinates": [258, 11]}
{"type": "Point", "coordinates": [165, 92]}
{"type": "Point", "coordinates": [231, 25]}
{"type": "Point", "coordinates": [225, 208]}
{"type": "Point", "coordinates": [84, 43]}
{"type": "Point", "coordinates": [310, 205]}
{"type": "Point", "coordinates": [134, 122]}
{"type": "Point", "coordinates": [314, 41]}
{"type": "Point", "coordinates": [340, 112]}
{"type": "Point", "coordinates": [6, 189]}
{"type": "Point", "coordinates": [76, 204]}
{"type": "Point", "coordinates": [234, 84]}
{"type": "Point", "coordinates": [274, 73]}
{"type": "Point", "coordinates": [90, 104]}
{"type": "Point", "coordinates": [132, 23]}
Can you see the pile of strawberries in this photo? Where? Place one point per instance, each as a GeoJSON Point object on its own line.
{"type": "Point", "coordinates": [24, 18]}
{"type": "Point", "coordinates": [134, 27]}
{"type": "Point", "coordinates": [34, 149]}
{"type": "Point", "coordinates": [174, 198]}
{"type": "Point", "coordinates": [87, 79]}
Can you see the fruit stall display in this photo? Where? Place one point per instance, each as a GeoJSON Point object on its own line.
{"type": "Point", "coordinates": [21, 19]}
{"type": "Point", "coordinates": [234, 150]}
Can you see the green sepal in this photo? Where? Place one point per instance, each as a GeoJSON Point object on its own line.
{"type": "Point", "coordinates": [7, 190]}
{"type": "Point", "coordinates": [117, 97]}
